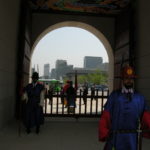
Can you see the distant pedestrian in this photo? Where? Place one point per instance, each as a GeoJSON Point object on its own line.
{"type": "Point", "coordinates": [85, 92]}
{"type": "Point", "coordinates": [92, 92]}
{"type": "Point", "coordinates": [50, 94]}
{"type": "Point", "coordinates": [64, 93]}
{"type": "Point", "coordinates": [71, 96]}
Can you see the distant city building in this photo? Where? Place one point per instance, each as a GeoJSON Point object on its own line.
{"type": "Point", "coordinates": [91, 62]}
{"type": "Point", "coordinates": [32, 70]}
{"type": "Point", "coordinates": [80, 71]}
{"type": "Point", "coordinates": [60, 63]}
{"type": "Point", "coordinates": [105, 66]}
{"type": "Point", "coordinates": [53, 74]}
{"type": "Point", "coordinates": [37, 68]}
{"type": "Point", "coordinates": [46, 71]}
{"type": "Point", "coordinates": [62, 68]}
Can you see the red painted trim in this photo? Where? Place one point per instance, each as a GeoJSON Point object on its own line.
{"type": "Point", "coordinates": [104, 126]}
{"type": "Point", "coordinates": [145, 124]}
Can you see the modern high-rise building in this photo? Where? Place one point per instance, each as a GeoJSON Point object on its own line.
{"type": "Point", "coordinates": [32, 70]}
{"type": "Point", "coordinates": [53, 73]}
{"type": "Point", "coordinates": [92, 62]}
{"type": "Point", "coordinates": [105, 66]}
{"type": "Point", "coordinates": [60, 63]}
{"type": "Point", "coordinates": [46, 71]}
{"type": "Point", "coordinates": [62, 68]}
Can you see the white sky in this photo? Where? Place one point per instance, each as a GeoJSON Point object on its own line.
{"type": "Point", "coordinates": [67, 43]}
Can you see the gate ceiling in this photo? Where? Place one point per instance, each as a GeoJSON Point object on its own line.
{"type": "Point", "coordinates": [106, 7]}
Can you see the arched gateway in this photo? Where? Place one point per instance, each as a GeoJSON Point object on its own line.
{"type": "Point", "coordinates": [94, 105]}
{"type": "Point", "coordinates": [94, 31]}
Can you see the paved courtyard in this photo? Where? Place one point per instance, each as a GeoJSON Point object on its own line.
{"type": "Point", "coordinates": [56, 134]}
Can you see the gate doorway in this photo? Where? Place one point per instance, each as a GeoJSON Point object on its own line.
{"type": "Point", "coordinates": [92, 30]}
{"type": "Point", "coordinates": [93, 107]}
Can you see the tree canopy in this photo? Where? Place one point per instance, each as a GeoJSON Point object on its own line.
{"type": "Point", "coordinates": [98, 77]}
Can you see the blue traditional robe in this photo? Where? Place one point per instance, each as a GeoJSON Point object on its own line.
{"type": "Point", "coordinates": [121, 114]}
{"type": "Point", "coordinates": [33, 115]}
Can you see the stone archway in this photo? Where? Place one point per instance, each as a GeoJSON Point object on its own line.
{"type": "Point", "coordinates": [94, 31]}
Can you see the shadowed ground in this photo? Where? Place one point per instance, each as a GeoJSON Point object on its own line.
{"type": "Point", "coordinates": [56, 134]}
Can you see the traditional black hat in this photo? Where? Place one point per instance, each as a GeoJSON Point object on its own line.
{"type": "Point", "coordinates": [35, 75]}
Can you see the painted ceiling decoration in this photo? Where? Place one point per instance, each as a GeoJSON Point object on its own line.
{"type": "Point", "coordinates": [85, 6]}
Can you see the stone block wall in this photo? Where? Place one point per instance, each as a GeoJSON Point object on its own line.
{"type": "Point", "coordinates": [8, 55]}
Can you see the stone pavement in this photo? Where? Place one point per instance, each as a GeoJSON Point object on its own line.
{"type": "Point", "coordinates": [56, 134]}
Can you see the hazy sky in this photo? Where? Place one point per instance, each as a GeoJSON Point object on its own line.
{"type": "Point", "coordinates": [67, 43]}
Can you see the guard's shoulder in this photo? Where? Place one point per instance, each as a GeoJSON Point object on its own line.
{"type": "Point", "coordinates": [138, 94]}
{"type": "Point", "coordinates": [29, 85]}
{"type": "Point", "coordinates": [40, 84]}
{"type": "Point", "coordinates": [116, 92]}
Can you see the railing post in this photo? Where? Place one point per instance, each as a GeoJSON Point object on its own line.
{"type": "Point", "coordinates": [52, 103]}
{"type": "Point", "coordinates": [80, 101]}
{"type": "Point", "coordinates": [102, 101]}
{"type": "Point", "coordinates": [92, 107]}
{"type": "Point", "coordinates": [62, 99]}
{"type": "Point", "coordinates": [96, 101]}
{"type": "Point", "coordinates": [45, 99]}
{"type": "Point", "coordinates": [57, 101]}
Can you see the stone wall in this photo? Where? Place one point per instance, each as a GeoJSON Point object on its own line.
{"type": "Point", "coordinates": [43, 21]}
{"type": "Point", "coordinates": [142, 47]}
{"type": "Point", "coordinates": [8, 45]}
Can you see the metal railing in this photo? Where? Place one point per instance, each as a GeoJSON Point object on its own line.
{"type": "Point", "coordinates": [86, 106]}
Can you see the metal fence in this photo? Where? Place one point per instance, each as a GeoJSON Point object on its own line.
{"type": "Point", "coordinates": [86, 106]}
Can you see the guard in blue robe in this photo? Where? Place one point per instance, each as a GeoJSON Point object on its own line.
{"type": "Point", "coordinates": [33, 114]}
{"type": "Point", "coordinates": [123, 113]}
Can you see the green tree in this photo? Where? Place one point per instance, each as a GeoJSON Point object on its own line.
{"type": "Point", "coordinates": [98, 77]}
